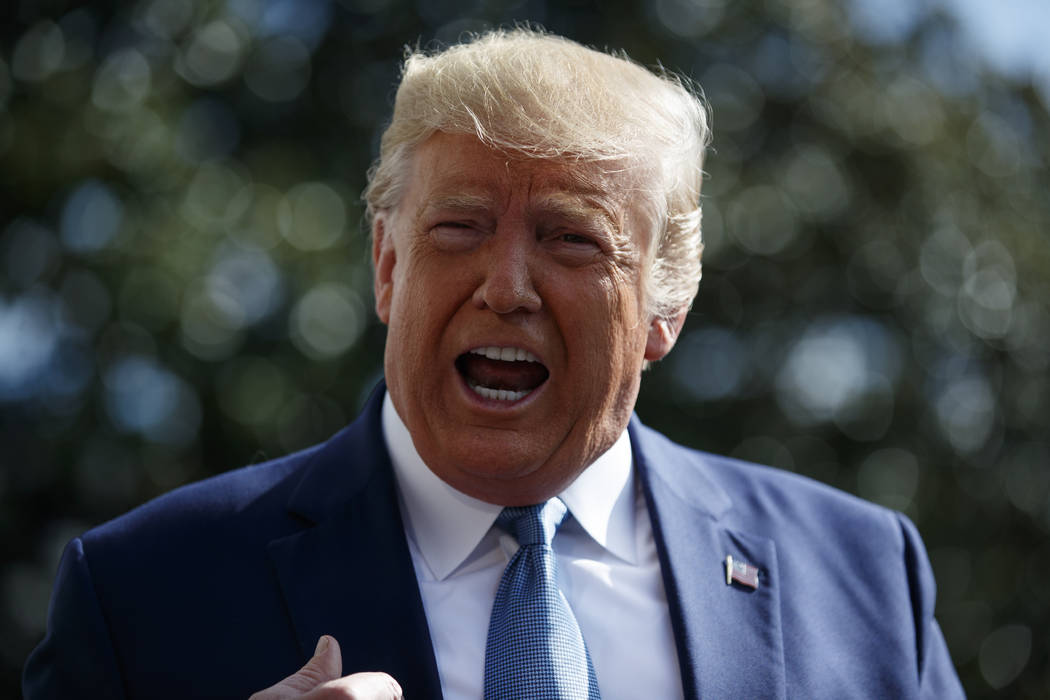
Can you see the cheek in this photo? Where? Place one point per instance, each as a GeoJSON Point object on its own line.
{"type": "Point", "coordinates": [405, 337]}
{"type": "Point", "coordinates": [624, 300]}
{"type": "Point", "coordinates": [611, 329]}
{"type": "Point", "coordinates": [413, 293]}
{"type": "Point", "coordinates": [428, 296]}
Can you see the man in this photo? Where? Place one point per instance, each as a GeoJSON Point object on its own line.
{"type": "Point", "coordinates": [536, 242]}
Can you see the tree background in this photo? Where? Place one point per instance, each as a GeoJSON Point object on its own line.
{"type": "Point", "coordinates": [185, 287]}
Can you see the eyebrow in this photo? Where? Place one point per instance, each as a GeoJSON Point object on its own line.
{"type": "Point", "coordinates": [577, 207]}
{"type": "Point", "coordinates": [460, 202]}
{"type": "Point", "coordinates": [581, 207]}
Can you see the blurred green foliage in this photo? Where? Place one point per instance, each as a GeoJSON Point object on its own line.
{"type": "Point", "coordinates": [185, 286]}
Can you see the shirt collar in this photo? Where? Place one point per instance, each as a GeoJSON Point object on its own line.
{"type": "Point", "coordinates": [446, 525]}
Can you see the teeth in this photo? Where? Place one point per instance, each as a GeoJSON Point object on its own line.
{"type": "Point", "coordinates": [497, 394]}
{"type": "Point", "coordinates": [505, 354]}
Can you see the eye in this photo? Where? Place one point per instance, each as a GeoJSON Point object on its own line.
{"type": "Point", "coordinates": [455, 235]}
{"type": "Point", "coordinates": [574, 248]}
{"type": "Point", "coordinates": [575, 239]}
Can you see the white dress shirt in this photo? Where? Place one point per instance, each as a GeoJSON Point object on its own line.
{"type": "Point", "coordinates": [607, 564]}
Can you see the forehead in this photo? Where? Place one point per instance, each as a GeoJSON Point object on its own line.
{"type": "Point", "coordinates": [459, 169]}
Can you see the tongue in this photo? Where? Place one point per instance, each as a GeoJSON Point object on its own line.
{"type": "Point", "coordinates": [497, 374]}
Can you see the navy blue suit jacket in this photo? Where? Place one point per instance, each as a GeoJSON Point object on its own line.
{"type": "Point", "coordinates": [221, 588]}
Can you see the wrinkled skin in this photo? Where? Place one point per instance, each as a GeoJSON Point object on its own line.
{"type": "Point", "coordinates": [489, 250]}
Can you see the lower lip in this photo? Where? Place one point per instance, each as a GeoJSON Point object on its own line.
{"type": "Point", "coordinates": [498, 404]}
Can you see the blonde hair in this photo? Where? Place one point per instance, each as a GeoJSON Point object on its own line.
{"type": "Point", "coordinates": [545, 96]}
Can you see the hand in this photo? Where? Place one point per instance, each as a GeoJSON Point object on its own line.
{"type": "Point", "coordinates": [320, 679]}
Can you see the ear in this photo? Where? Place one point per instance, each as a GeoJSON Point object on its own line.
{"type": "Point", "coordinates": [662, 336]}
{"type": "Point", "coordinates": [384, 258]}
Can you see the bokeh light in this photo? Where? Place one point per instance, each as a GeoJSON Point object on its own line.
{"type": "Point", "coordinates": [185, 264]}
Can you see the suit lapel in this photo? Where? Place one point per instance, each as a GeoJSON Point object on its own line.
{"type": "Point", "coordinates": [349, 573]}
{"type": "Point", "coordinates": [728, 637]}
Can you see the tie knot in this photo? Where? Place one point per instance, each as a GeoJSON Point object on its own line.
{"type": "Point", "coordinates": [534, 524]}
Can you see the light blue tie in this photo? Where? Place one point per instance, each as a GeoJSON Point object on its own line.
{"type": "Point", "coordinates": [535, 649]}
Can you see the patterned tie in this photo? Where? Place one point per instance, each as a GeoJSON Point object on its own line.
{"type": "Point", "coordinates": [535, 648]}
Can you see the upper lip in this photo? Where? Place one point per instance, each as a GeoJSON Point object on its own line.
{"type": "Point", "coordinates": [507, 353]}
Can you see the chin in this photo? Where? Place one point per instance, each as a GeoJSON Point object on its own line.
{"type": "Point", "coordinates": [534, 486]}
{"type": "Point", "coordinates": [498, 466]}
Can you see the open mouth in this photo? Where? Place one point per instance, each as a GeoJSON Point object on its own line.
{"type": "Point", "coordinates": [501, 374]}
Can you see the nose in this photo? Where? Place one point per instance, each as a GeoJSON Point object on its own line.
{"type": "Point", "coordinates": [507, 285]}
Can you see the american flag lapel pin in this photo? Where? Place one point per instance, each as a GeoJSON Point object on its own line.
{"type": "Point", "coordinates": [740, 571]}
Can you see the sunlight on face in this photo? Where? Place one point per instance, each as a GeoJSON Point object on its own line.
{"type": "Point", "coordinates": [514, 294]}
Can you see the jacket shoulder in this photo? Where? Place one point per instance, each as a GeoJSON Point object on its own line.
{"type": "Point", "coordinates": [766, 500]}
{"type": "Point", "coordinates": [202, 505]}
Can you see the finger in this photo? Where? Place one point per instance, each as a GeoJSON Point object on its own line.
{"type": "Point", "coordinates": [325, 665]}
{"type": "Point", "coordinates": [361, 686]}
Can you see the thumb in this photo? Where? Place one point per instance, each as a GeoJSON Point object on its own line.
{"type": "Point", "coordinates": [325, 665]}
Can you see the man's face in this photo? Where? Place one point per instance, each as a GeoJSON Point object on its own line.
{"type": "Point", "coordinates": [513, 292]}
